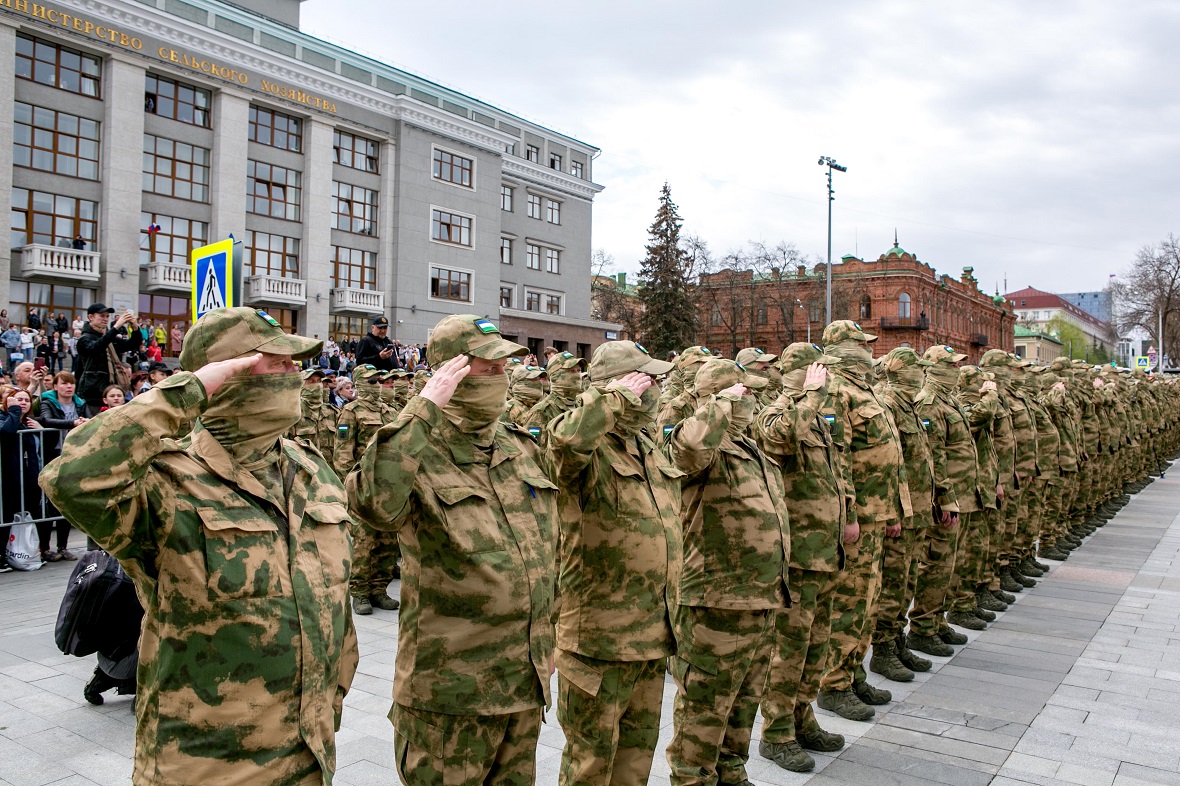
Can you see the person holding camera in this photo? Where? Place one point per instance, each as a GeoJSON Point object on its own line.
{"type": "Point", "coordinates": [99, 348]}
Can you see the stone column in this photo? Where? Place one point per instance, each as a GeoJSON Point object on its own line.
{"type": "Point", "coordinates": [315, 255]}
{"type": "Point", "coordinates": [122, 183]}
{"type": "Point", "coordinates": [7, 97]}
{"type": "Point", "coordinates": [227, 180]}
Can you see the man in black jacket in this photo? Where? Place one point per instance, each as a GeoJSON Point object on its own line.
{"type": "Point", "coordinates": [376, 349]}
{"type": "Point", "coordinates": [92, 364]}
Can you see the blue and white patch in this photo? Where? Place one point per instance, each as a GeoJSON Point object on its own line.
{"type": "Point", "coordinates": [668, 430]}
{"type": "Point", "coordinates": [535, 432]}
{"type": "Point", "coordinates": [486, 326]}
{"type": "Point", "coordinates": [926, 423]}
{"type": "Point", "coordinates": [830, 418]}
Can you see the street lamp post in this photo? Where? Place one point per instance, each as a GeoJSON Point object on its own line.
{"type": "Point", "coordinates": [799, 303]}
{"type": "Point", "coordinates": [831, 164]}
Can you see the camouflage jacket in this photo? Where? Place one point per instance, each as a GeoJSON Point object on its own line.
{"type": "Point", "coordinates": [915, 447]}
{"type": "Point", "coordinates": [1064, 417]}
{"type": "Point", "coordinates": [983, 411]}
{"type": "Point", "coordinates": [793, 431]}
{"type": "Point", "coordinates": [317, 425]}
{"type": "Point", "coordinates": [546, 410]}
{"type": "Point", "coordinates": [359, 421]}
{"type": "Point", "coordinates": [1024, 433]}
{"type": "Point", "coordinates": [247, 646]}
{"type": "Point", "coordinates": [863, 429]}
{"type": "Point", "coordinates": [477, 531]}
{"type": "Point", "coordinates": [621, 540]}
{"type": "Point", "coordinates": [953, 449]}
{"type": "Point", "coordinates": [674, 410]}
{"type": "Point", "coordinates": [1048, 441]}
{"type": "Point", "coordinates": [737, 538]}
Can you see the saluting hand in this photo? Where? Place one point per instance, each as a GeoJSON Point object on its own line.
{"type": "Point", "coordinates": [214, 375]}
{"type": "Point", "coordinates": [817, 374]}
{"type": "Point", "coordinates": [636, 382]}
{"type": "Point", "coordinates": [440, 387]}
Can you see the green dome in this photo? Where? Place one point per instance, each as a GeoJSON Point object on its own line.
{"type": "Point", "coordinates": [999, 301]}
{"type": "Point", "coordinates": [896, 251]}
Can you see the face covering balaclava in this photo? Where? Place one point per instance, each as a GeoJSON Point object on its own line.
{"type": "Point", "coordinates": [566, 383]}
{"type": "Point", "coordinates": [477, 405]}
{"type": "Point", "coordinates": [632, 420]}
{"type": "Point", "coordinates": [909, 379]}
{"type": "Point", "coordinates": [943, 376]}
{"type": "Point", "coordinates": [311, 397]}
{"type": "Point", "coordinates": [249, 414]}
{"type": "Point", "coordinates": [402, 391]}
{"type": "Point", "coordinates": [367, 391]}
{"type": "Point", "coordinates": [388, 394]}
{"type": "Point", "coordinates": [856, 358]}
{"type": "Point", "coordinates": [741, 416]}
{"type": "Point", "coordinates": [529, 391]}
{"type": "Point", "coordinates": [776, 378]}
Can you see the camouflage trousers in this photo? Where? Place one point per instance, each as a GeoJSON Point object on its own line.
{"type": "Point", "coordinates": [720, 669]}
{"type": "Point", "coordinates": [936, 569]}
{"type": "Point", "coordinates": [854, 607]}
{"type": "Point", "coordinates": [974, 535]}
{"type": "Point", "coordinates": [1002, 550]}
{"type": "Point", "coordinates": [610, 713]}
{"type": "Point", "coordinates": [799, 654]}
{"type": "Point", "coordinates": [374, 556]}
{"type": "Point", "coordinates": [899, 576]}
{"type": "Point", "coordinates": [436, 749]}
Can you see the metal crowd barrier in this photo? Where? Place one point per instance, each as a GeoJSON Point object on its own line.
{"type": "Point", "coordinates": [47, 444]}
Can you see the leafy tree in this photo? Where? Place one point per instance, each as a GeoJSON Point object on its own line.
{"type": "Point", "coordinates": [665, 289]}
{"type": "Point", "coordinates": [1072, 339]}
{"type": "Point", "coordinates": [1150, 286]}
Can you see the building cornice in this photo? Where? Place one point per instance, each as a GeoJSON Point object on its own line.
{"type": "Point", "coordinates": [559, 319]}
{"type": "Point", "coordinates": [550, 178]}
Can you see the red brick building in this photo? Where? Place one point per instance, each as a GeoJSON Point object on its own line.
{"type": "Point", "coordinates": [904, 301]}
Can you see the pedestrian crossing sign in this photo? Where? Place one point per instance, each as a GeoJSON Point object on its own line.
{"type": "Point", "coordinates": [1143, 361]}
{"type": "Point", "coordinates": [213, 277]}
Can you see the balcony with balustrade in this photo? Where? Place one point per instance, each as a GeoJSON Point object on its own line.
{"type": "Point", "coordinates": [165, 277]}
{"type": "Point", "coordinates": [905, 323]}
{"type": "Point", "coordinates": [274, 290]}
{"type": "Point", "coordinates": [351, 300]}
{"type": "Point", "coordinates": [41, 261]}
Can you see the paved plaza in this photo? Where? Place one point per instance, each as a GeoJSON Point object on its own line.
{"type": "Point", "coordinates": [1079, 683]}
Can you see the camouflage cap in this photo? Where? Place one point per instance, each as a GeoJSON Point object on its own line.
{"type": "Point", "coordinates": [518, 371]}
{"type": "Point", "coordinates": [695, 354]}
{"type": "Point", "coordinates": [616, 358]}
{"type": "Point", "coordinates": [995, 357]}
{"type": "Point", "coordinates": [308, 373]}
{"type": "Point", "coordinates": [468, 334]}
{"type": "Point", "coordinates": [902, 357]}
{"type": "Point", "coordinates": [1060, 363]}
{"type": "Point", "coordinates": [226, 333]}
{"type": "Point", "coordinates": [534, 372]}
{"type": "Point", "coordinates": [845, 330]}
{"type": "Point", "coordinates": [367, 373]}
{"type": "Point", "coordinates": [1018, 362]}
{"type": "Point", "coordinates": [718, 374]}
{"type": "Point", "coordinates": [751, 355]}
{"type": "Point", "coordinates": [943, 353]}
{"type": "Point", "coordinates": [396, 373]}
{"type": "Point", "coordinates": [971, 377]}
{"type": "Point", "coordinates": [1037, 369]}
{"type": "Point", "coordinates": [565, 360]}
{"type": "Point", "coordinates": [801, 355]}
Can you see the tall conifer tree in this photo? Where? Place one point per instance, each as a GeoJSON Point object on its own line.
{"type": "Point", "coordinates": [668, 317]}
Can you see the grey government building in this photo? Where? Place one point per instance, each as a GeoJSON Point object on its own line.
{"type": "Point", "coordinates": [140, 130]}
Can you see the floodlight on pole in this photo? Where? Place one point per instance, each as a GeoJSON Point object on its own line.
{"type": "Point", "coordinates": [799, 303]}
{"type": "Point", "coordinates": [831, 164]}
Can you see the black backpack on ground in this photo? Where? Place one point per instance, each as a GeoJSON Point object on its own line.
{"type": "Point", "coordinates": [100, 611]}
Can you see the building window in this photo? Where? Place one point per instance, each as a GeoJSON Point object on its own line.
{"type": "Point", "coordinates": [552, 211]}
{"type": "Point", "coordinates": [534, 210]}
{"type": "Point", "coordinates": [505, 297]}
{"type": "Point", "coordinates": [505, 251]}
{"type": "Point", "coordinates": [447, 284]}
{"type": "Point", "coordinates": [576, 169]}
{"type": "Point", "coordinates": [866, 307]}
{"type": "Point", "coordinates": [506, 198]}
{"type": "Point", "coordinates": [342, 329]}
{"type": "Point", "coordinates": [553, 304]}
{"type": "Point", "coordinates": [552, 260]}
{"type": "Point", "coordinates": [532, 257]}
{"type": "Point", "coordinates": [762, 314]}
{"type": "Point", "coordinates": [55, 142]}
{"type": "Point", "coordinates": [23, 295]}
{"type": "Point", "coordinates": [272, 191]}
{"type": "Point", "coordinates": [268, 127]}
{"type": "Point", "coordinates": [448, 227]}
{"type": "Point", "coordinates": [532, 301]}
{"type": "Point", "coordinates": [51, 219]}
{"type": "Point", "coordinates": [272, 255]}
{"type": "Point", "coordinates": [715, 316]}
{"type": "Point", "coordinates": [58, 66]}
{"type": "Point", "coordinates": [354, 268]}
{"type": "Point", "coordinates": [815, 311]}
{"type": "Point", "coordinates": [355, 152]}
{"type": "Point", "coordinates": [355, 209]}
{"type": "Point", "coordinates": [175, 169]}
{"type": "Point", "coordinates": [176, 101]}
{"type": "Point", "coordinates": [533, 153]}
{"type": "Point", "coordinates": [903, 306]}
{"type": "Point", "coordinates": [168, 312]}
{"type": "Point", "coordinates": [452, 168]}
{"type": "Point", "coordinates": [555, 161]}
{"type": "Point", "coordinates": [173, 240]}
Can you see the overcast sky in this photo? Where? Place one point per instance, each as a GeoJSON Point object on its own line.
{"type": "Point", "coordinates": [1037, 141]}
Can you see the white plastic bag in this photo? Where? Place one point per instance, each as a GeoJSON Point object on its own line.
{"type": "Point", "coordinates": [24, 547]}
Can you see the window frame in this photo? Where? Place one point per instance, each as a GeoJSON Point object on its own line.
{"type": "Point", "coordinates": [353, 153]}
{"type": "Point", "coordinates": [83, 77]}
{"type": "Point", "coordinates": [435, 210]}
{"type": "Point", "coordinates": [291, 249]}
{"type": "Point", "coordinates": [505, 251]}
{"type": "Point", "coordinates": [366, 265]}
{"type": "Point", "coordinates": [577, 169]}
{"type": "Point", "coordinates": [532, 153]}
{"type": "Point", "coordinates": [533, 202]}
{"type": "Point", "coordinates": [150, 252]}
{"type": "Point", "coordinates": [57, 137]}
{"type": "Point", "coordinates": [509, 293]}
{"type": "Point", "coordinates": [438, 166]}
{"type": "Point", "coordinates": [470, 274]}
{"type": "Point", "coordinates": [532, 251]}
{"type": "Point", "coordinates": [507, 195]}
{"type": "Point", "coordinates": [349, 221]}
{"type": "Point", "coordinates": [273, 119]}
{"type": "Point", "coordinates": [290, 209]}
{"type": "Point", "coordinates": [552, 260]}
{"type": "Point", "coordinates": [174, 175]}
{"type": "Point", "coordinates": [30, 212]}
{"type": "Point", "coordinates": [556, 161]}
{"type": "Point", "coordinates": [553, 211]}
{"type": "Point", "coordinates": [198, 115]}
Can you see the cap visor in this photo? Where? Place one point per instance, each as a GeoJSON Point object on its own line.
{"type": "Point", "coordinates": [958, 357]}
{"type": "Point", "coordinates": [869, 337]}
{"type": "Point", "coordinates": [497, 349]}
{"type": "Point", "coordinates": [767, 358]}
{"type": "Point", "coordinates": [298, 347]}
{"type": "Point", "coordinates": [925, 362]}
{"type": "Point", "coordinates": [827, 360]}
{"type": "Point", "coordinates": [755, 382]}
{"type": "Point", "coordinates": [656, 367]}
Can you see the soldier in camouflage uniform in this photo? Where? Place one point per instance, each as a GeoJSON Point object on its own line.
{"type": "Point", "coordinates": [676, 397]}
{"type": "Point", "coordinates": [871, 457]}
{"type": "Point", "coordinates": [621, 546]}
{"type": "Point", "coordinates": [565, 384]}
{"type": "Point", "coordinates": [317, 418]}
{"type": "Point", "coordinates": [527, 385]}
{"type": "Point", "coordinates": [762, 364]}
{"type": "Point", "coordinates": [375, 554]}
{"type": "Point", "coordinates": [237, 542]}
{"type": "Point", "coordinates": [794, 431]}
{"type": "Point", "coordinates": [421, 377]}
{"type": "Point", "coordinates": [1022, 496]}
{"type": "Point", "coordinates": [476, 514]}
{"type": "Point", "coordinates": [733, 578]}
{"type": "Point", "coordinates": [904, 372]}
{"type": "Point", "coordinates": [955, 496]}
